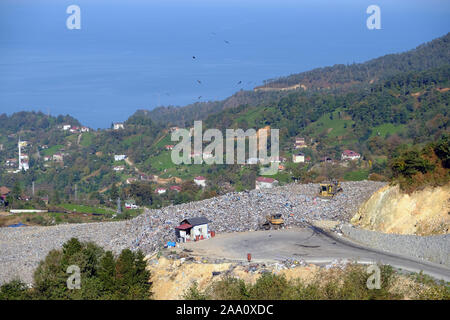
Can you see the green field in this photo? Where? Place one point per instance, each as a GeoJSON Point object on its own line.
{"type": "Point", "coordinates": [385, 129]}
{"type": "Point", "coordinates": [357, 175]}
{"type": "Point", "coordinates": [86, 139]}
{"type": "Point", "coordinates": [85, 209]}
{"type": "Point", "coordinates": [52, 150]}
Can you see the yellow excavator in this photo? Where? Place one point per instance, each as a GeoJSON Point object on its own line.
{"type": "Point", "coordinates": [274, 221]}
{"type": "Point", "coordinates": [329, 190]}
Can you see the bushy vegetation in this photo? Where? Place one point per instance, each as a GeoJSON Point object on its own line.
{"type": "Point", "coordinates": [347, 284]}
{"type": "Point", "coordinates": [415, 168]}
{"type": "Point", "coordinates": [103, 276]}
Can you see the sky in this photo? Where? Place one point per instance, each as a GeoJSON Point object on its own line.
{"type": "Point", "coordinates": [136, 54]}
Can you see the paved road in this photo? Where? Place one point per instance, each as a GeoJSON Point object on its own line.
{"type": "Point", "coordinates": [313, 245]}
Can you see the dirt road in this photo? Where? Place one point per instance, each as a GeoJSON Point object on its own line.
{"type": "Point", "coordinates": [313, 245]}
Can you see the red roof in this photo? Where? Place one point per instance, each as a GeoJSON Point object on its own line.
{"type": "Point", "coordinates": [264, 179]}
{"type": "Point", "coordinates": [178, 188]}
{"type": "Point", "coordinates": [200, 178]}
{"type": "Point", "coordinates": [350, 153]}
{"type": "Point", "coordinates": [184, 226]}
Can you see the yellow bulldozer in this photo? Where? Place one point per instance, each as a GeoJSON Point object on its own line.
{"type": "Point", "coordinates": [274, 221]}
{"type": "Point", "coordinates": [329, 190]}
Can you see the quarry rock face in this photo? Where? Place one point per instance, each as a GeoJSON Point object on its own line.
{"type": "Point", "coordinates": [389, 210]}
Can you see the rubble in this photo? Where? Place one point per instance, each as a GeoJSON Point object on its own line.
{"type": "Point", "coordinates": [21, 249]}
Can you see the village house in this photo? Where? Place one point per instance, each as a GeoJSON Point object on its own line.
{"type": "Point", "coordinates": [200, 181]}
{"type": "Point", "coordinates": [192, 229]}
{"type": "Point", "coordinates": [160, 190]}
{"type": "Point", "coordinates": [175, 188]}
{"type": "Point", "coordinates": [119, 157]}
{"type": "Point", "coordinates": [131, 180]}
{"type": "Point", "coordinates": [25, 166]}
{"type": "Point", "coordinates": [58, 157]}
{"type": "Point", "coordinates": [119, 168]}
{"type": "Point", "coordinates": [300, 143]}
{"type": "Point", "coordinates": [326, 159]}
{"type": "Point", "coordinates": [74, 129]}
{"type": "Point", "coordinates": [265, 183]}
{"type": "Point", "coordinates": [118, 126]}
{"type": "Point", "coordinates": [85, 129]}
{"type": "Point", "coordinates": [4, 192]}
{"type": "Point", "coordinates": [47, 158]}
{"type": "Point", "coordinates": [298, 158]}
{"type": "Point", "coordinates": [66, 127]}
{"type": "Point", "coordinates": [131, 205]}
{"type": "Point", "coordinates": [169, 146]}
{"type": "Point", "coordinates": [350, 155]}
{"type": "Point", "coordinates": [11, 162]}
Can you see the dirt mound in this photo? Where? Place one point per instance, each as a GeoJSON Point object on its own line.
{"type": "Point", "coordinates": [389, 210]}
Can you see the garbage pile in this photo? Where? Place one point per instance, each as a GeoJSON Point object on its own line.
{"type": "Point", "coordinates": [247, 210]}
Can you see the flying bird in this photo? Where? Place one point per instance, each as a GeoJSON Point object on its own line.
{"type": "Point", "coordinates": [227, 41]}
{"type": "Point", "coordinates": [193, 57]}
{"type": "Point", "coordinates": [199, 81]}
{"type": "Point", "coordinates": [239, 82]}
{"type": "Point", "coordinates": [199, 97]}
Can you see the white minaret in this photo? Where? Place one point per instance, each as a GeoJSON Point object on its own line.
{"type": "Point", "coordinates": [20, 155]}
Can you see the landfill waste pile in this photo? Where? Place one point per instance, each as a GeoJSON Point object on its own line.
{"type": "Point", "coordinates": [22, 248]}
{"type": "Point", "coordinates": [247, 210]}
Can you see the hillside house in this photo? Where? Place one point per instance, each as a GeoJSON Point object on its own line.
{"type": "Point", "coordinates": [4, 192]}
{"type": "Point", "coordinates": [175, 188]}
{"type": "Point", "coordinates": [298, 158]}
{"type": "Point", "coordinates": [47, 158]}
{"type": "Point", "coordinates": [350, 155]}
{"type": "Point", "coordinates": [131, 205]}
{"type": "Point", "coordinates": [131, 180]}
{"type": "Point", "coordinates": [118, 126]}
{"type": "Point", "coordinates": [265, 183]}
{"type": "Point", "coordinates": [85, 129]}
{"type": "Point", "coordinates": [300, 143]}
{"type": "Point", "coordinates": [119, 157]}
{"type": "Point", "coordinates": [11, 162]}
{"type": "Point", "coordinates": [200, 181]}
{"type": "Point", "coordinates": [160, 190]}
{"type": "Point", "coordinates": [66, 127]}
{"type": "Point", "coordinates": [119, 168]}
{"type": "Point", "coordinates": [169, 146]}
{"type": "Point", "coordinates": [59, 157]}
{"type": "Point", "coordinates": [192, 229]}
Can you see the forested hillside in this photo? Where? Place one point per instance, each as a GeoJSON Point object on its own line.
{"type": "Point", "coordinates": [339, 78]}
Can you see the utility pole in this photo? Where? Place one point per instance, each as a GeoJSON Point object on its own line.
{"type": "Point", "coordinates": [76, 192]}
{"type": "Point", "coordinates": [32, 188]}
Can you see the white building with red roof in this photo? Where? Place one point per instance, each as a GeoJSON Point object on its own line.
{"type": "Point", "coordinates": [200, 181]}
{"type": "Point", "coordinates": [265, 183]}
{"type": "Point", "coordinates": [350, 155]}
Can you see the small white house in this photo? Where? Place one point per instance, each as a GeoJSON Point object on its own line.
{"type": "Point", "coordinates": [85, 129]}
{"type": "Point", "coordinates": [192, 229]}
{"type": "Point", "coordinates": [265, 183]}
{"type": "Point", "coordinates": [118, 126]}
{"type": "Point", "coordinates": [119, 157]}
{"type": "Point", "coordinates": [298, 158]}
{"type": "Point", "coordinates": [119, 168]}
{"type": "Point", "coordinates": [66, 127]}
{"type": "Point", "coordinates": [350, 155]}
{"type": "Point", "coordinates": [58, 157]}
{"type": "Point", "coordinates": [161, 190]}
{"type": "Point", "coordinates": [200, 181]}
